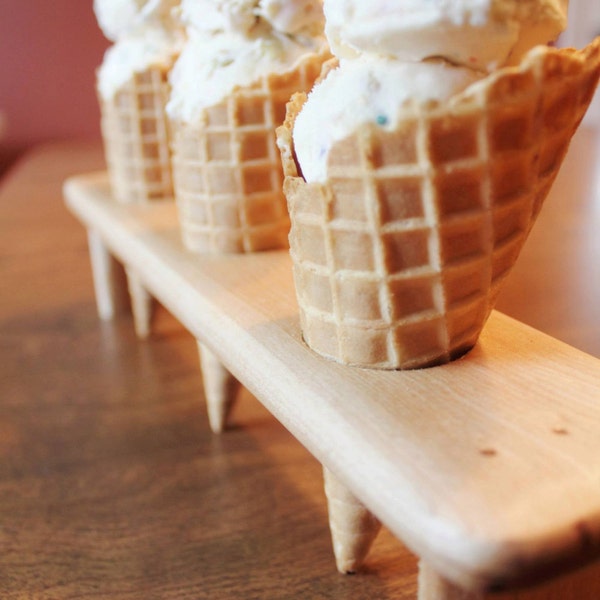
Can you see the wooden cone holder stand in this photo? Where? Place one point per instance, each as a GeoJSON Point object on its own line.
{"type": "Point", "coordinates": [486, 468]}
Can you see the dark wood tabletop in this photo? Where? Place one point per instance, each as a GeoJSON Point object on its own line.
{"type": "Point", "coordinates": [111, 483]}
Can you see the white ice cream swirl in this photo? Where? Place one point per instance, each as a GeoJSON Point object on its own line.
{"type": "Point", "coordinates": [234, 43]}
{"type": "Point", "coordinates": [480, 34]}
{"type": "Point", "coordinates": [392, 51]}
{"type": "Point", "coordinates": [243, 16]}
{"type": "Point", "coordinates": [119, 18]}
{"type": "Point", "coordinates": [146, 33]}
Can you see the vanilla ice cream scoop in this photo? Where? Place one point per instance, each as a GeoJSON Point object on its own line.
{"type": "Point", "coordinates": [481, 34]}
{"type": "Point", "coordinates": [118, 18]}
{"type": "Point", "coordinates": [235, 43]}
{"type": "Point", "coordinates": [135, 53]}
{"type": "Point", "coordinates": [292, 16]}
{"type": "Point", "coordinates": [146, 34]}
{"type": "Point", "coordinates": [367, 90]}
{"type": "Point", "coordinates": [210, 68]}
{"type": "Point", "coordinates": [219, 15]}
{"type": "Point", "coordinates": [243, 16]}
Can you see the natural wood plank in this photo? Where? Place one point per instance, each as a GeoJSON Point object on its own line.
{"type": "Point", "coordinates": [111, 482]}
{"type": "Point", "coordinates": [519, 412]}
{"type": "Point", "coordinates": [582, 584]}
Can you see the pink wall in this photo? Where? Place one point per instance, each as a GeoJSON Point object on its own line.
{"type": "Point", "coordinates": [49, 51]}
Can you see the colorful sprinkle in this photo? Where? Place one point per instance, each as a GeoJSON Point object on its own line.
{"type": "Point", "coordinates": [381, 120]}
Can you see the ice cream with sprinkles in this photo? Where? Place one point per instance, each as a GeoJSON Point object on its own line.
{"type": "Point", "coordinates": [420, 50]}
{"type": "Point", "coordinates": [417, 166]}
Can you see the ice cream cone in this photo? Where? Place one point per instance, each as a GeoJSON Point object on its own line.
{"type": "Point", "coordinates": [227, 169]}
{"type": "Point", "coordinates": [136, 140]}
{"type": "Point", "coordinates": [399, 257]}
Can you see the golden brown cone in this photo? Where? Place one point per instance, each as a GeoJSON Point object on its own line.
{"type": "Point", "coordinates": [227, 170]}
{"type": "Point", "coordinates": [399, 257]}
{"type": "Point", "coordinates": [136, 142]}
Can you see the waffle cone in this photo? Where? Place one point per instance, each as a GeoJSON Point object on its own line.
{"type": "Point", "coordinates": [136, 142]}
{"type": "Point", "coordinates": [227, 169]}
{"type": "Point", "coordinates": [399, 257]}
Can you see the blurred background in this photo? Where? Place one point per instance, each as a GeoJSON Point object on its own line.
{"type": "Point", "coordinates": [50, 50]}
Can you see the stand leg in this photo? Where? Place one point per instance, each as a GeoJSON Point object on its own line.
{"type": "Point", "coordinates": [583, 584]}
{"type": "Point", "coordinates": [434, 587]}
{"type": "Point", "coordinates": [353, 527]}
{"type": "Point", "coordinates": [141, 304]}
{"type": "Point", "coordinates": [220, 388]}
{"type": "Point", "coordinates": [102, 272]}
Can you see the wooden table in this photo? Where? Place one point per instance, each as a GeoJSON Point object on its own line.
{"type": "Point", "coordinates": [111, 484]}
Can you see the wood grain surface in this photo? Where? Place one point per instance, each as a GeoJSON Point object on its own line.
{"type": "Point", "coordinates": [111, 483]}
{"type": "Point", "coordinates": [436, 454]}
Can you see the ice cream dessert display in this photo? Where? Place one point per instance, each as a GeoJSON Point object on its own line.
{"type": "Point", "coordinates": [417, 165]}
{"type": "Point", "coordinates": [242, 61]}
{"type": "Point", "coordinates": [133, 90]}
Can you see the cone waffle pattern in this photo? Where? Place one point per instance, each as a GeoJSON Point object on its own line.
{"type": "Point", "coordinates": [228, 174]}
{"type": "Point", "coordinates": [136, 141]}
{"type": "Point", "coordinates": [399, 258]}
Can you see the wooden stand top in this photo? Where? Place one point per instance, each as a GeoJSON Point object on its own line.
{"type": "Point", "coordinates": [487, 467]}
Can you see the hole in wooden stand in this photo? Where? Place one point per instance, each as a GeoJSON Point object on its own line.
{"type": "Point", "coordinates": [488, 452]}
